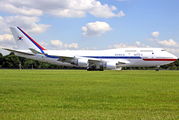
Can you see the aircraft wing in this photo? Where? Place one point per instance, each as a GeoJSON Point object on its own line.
{"type": "Point", "coordinates": [17, 51]}
{"type": "Point", "coordinates": [117, 63]}
{"type": "Point", "coordinates": [69, 59]}
{"type": "Point", "coordinates": [91, 61]}
{"type": "Point", "coordinates": [65, 58]}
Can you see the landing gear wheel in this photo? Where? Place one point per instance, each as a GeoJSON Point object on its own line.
{"type": "Point", "coordinates": [157, 69]}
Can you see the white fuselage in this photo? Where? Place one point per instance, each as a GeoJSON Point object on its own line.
{"type": "Point", "coordinates": [91, 59]}
{"type": "Point", "coordinates": [132, 57]}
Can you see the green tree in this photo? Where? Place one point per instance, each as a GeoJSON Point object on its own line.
{"type": "Point", "coordinates": [1, 60]}
{"type": "Point", "coordinates": [177, 63]}
{"type": "Point", "coordinates": [11, 61]}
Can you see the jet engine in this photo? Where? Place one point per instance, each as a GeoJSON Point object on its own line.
{"type": "Point", "coordinates": [110, 65]}
{"type": "Point", "coordinates": [80, 62]}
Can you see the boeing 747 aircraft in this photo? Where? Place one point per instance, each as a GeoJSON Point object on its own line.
{"type": "Point", "coordinates": [111, 59]}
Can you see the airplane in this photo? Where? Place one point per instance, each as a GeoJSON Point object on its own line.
{"type": "Point", "coordinates": [92, 60]}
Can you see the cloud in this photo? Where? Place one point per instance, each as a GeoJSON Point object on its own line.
{"type": "Point", "coordinates": [87, 48]}
{"type": "Point", "coordinates": [60, 8]}
{"type": "Point", "coordinates": [169, 43]}
{"type": "Point", "coordinates": [96, 28]}
{"type": "Point", "coordinates": [57, 44]}
{"type": "Point", "coordinates": [137, 44]}
{"type": "Point", "coordinates": [7, 41]}
{"type": "Point", "coordinates": [10, 8]}
{"type": "Point", "coordinates": [155, 34]}
{"type": "Point", "coordinates": [27, 23]}
{"type": "Point", "coordinates": [79, 8]}
{"type": "Point", "coordinates": [173, 51]}
{"type": "Point", "coordinates": [44, 44]}
{"type": "Point", "coordinates": [73, 45]}
{"type": "Point", "coordinates": [6, 38]}
{"type": "Point", "coordinates": [68, 13]}
{"type": "Point", "coordinates": [104, 10]}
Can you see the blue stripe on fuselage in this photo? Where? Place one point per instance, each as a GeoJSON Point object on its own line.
{"type": "Point", "coordinates": [104, 57]}
{"type": "Point", "coordinates": [51, 56]}
{"type": "Point", "coordinates": [114, 57]}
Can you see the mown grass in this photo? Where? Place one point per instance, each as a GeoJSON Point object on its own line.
{"type": "Point", "coordinates": [81, 94]}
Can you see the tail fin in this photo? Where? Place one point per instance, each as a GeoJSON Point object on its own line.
{"type": "Point", "coordinates": [24, 41]}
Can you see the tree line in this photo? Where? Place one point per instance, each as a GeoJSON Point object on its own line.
{"type": "Point", "coordinates": [12, 61]}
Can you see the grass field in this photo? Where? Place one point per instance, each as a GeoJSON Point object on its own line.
{"type": "Point", "coordinates": [81, 94]}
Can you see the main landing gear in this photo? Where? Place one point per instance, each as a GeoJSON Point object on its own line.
{"type": "Point", "coordinates": [94, 69]}
{"type": "Point", "coordinates": [157, 69]}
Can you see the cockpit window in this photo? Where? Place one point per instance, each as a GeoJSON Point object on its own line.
{"type": "Point", "coordinates": [162, 50]}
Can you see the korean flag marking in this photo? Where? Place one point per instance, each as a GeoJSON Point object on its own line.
{"type": "Point", "coordinates": [20, 38]}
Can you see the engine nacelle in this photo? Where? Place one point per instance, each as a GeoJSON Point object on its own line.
{"type": "Point", "coordinates": [110, 65]}
{"type": "Point", "coordinates": [80, 62]}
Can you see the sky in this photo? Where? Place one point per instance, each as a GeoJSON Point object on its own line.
{"type": "Point", "coordinates": [92, 24]}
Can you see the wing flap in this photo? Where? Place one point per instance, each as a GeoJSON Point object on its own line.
{"type": "Point", "coordinates": [66, 58]}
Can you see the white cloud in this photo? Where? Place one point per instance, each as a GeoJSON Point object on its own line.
{"type": "Point", "coordinates": [173, 51]}
{"type": "Point", "coordinates": [44, 44]}
{"type": "Point", "coordinates": [96, 28]}
{"type": "Point", "coordinates": [137, 44]}
{"type": "Point", "coordinates": [121, 45]}
{"type": "Point", "coordinates": [155, 34]}
{"type": "Point", "coordinates": [6, 7]}
{"type": "Point", "coordinates": [93, 48]}
{"type": "Point", "coordinates": [2, 22]}
{"type": "Point", "coordinates": [73, 45]}
{"type": "Point", "coordinates": [27, 23]}
{"type": "Point", "coordinates": [57, 44]}
{"type": "Point", "coordinates": [60, 8]}
{"type": "Point", "coordinates": [7, 41]}
{"type": "Point", "coordinates": [79, 8]}
{"type": "Point", "coordinates": [169, 43]}
{"type": "Point", "coordinates": [6, 38]}
{"type": "Point", "coordinates": [68, 13]}
{"type": "Point", "coordinates": [104, 10]}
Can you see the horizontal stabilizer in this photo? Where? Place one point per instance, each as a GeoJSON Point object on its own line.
{"type": "Point", "coordinates": [35, 51]}
{"type": "Point", "coordinates": [17, 51]}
